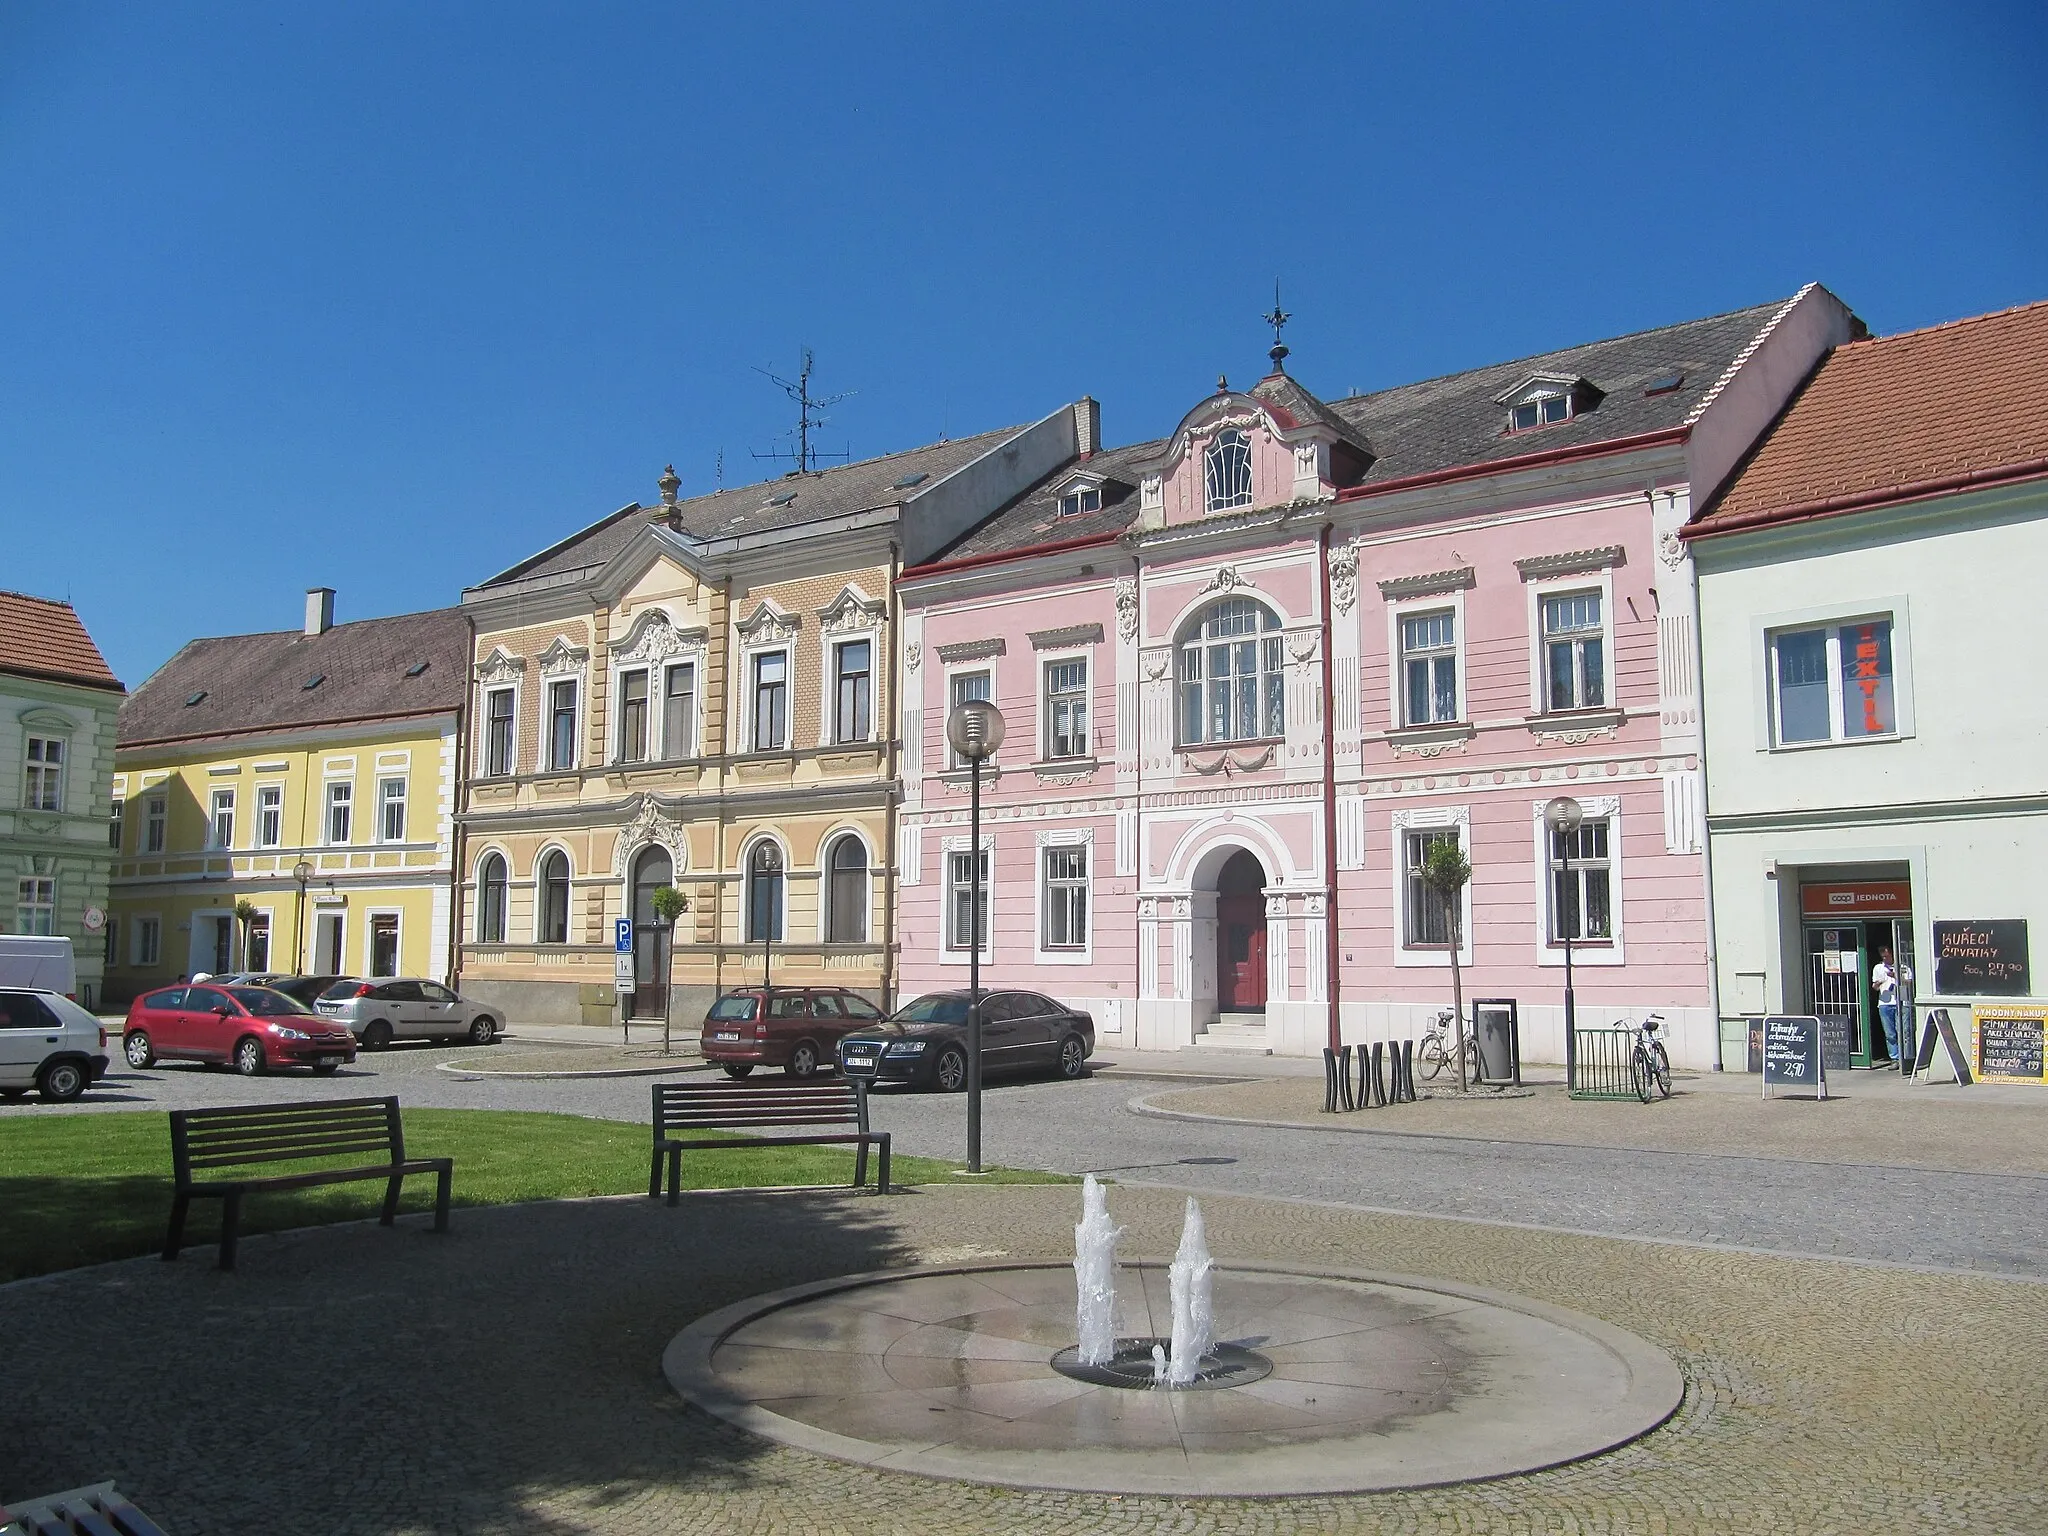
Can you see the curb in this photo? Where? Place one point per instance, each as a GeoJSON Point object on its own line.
{"type": "Point", "coordinates": [458, 1069]}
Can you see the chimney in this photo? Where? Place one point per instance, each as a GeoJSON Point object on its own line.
{"type": "Point", "coordinates": [319, 610]}
{"type": "Point", "coordinates": [1087, 426]}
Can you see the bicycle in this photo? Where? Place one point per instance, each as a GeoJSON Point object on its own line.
{"type": "Point", "coordinates": [1433, 1052]}
{"type": "Point", "coordinates": [1649, 1069]}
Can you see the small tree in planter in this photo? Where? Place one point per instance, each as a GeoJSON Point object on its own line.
{"type": "Point", "coordinates": [669, 905]}
{"type": "Point", "coordinates": [246, 915]}
{"type": "Point", "coordinates": [1446, 871]}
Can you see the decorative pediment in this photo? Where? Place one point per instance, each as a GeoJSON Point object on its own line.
{"type": "Point", "coordinates": [1060, 639]}
{"type": "Point", "coordinates": [653, 637]}
{"type": "Point", "coordinates": [1429, 585]}
{"type": "Point", "coordinates": [971, 650]}
{"type": "Point", "coordinates": [1571, 563]}
{"type": "Point", "coordinates": [769, 625]}
{"type": "Point", "coordinates": [1537, 385]}
{"type": "Point", "coordinates": [851, 612]}
{"type": "Point", "coordinates": [500, 667]}
{"type": "Point", "coordinates": [649, 825]}
{"type": "Point", "coordinates": [41, 717]}
{"type": "Point", "coordinates": [562, 657]}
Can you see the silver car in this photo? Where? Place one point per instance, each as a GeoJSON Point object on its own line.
{"type": "Point", "coordinates": [385, 1009]}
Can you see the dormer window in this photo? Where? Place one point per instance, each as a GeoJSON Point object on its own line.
{"type": "Point", "coordinates": [1085, 498]}
{"type": "Point", "coordinates": [1227, 472]}
{"type": "Point", "coordinates": [1540, 412]}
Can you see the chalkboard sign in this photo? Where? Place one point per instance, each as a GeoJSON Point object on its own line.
{"type": "Point", "coordinates": [2009, 1043]}
{"type": "Point", "coordinates": [1985, 959]}
{"type": "Point", "coordinates": [1755, 1021]}
{"type": "Point", "coordinates": [1793, 1057]}
{"type": "Point", "coordinates": [1940, 1059]}
{"type": "Point", "coordinates": [1837, 1037]}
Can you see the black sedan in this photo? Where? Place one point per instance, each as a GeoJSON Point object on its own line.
{"type": "Point", "coordinates": [924, 1043]}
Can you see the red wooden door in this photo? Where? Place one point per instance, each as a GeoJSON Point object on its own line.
{"type": "Point", "coordinates": [1241, 954]}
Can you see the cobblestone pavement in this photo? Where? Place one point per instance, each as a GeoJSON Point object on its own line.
{"type": "Point", "coordinates": [1950, 1219]}
{"type": "Point", "coordinates": [506, 1378]}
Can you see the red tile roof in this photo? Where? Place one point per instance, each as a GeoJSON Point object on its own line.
{"type": "Point", "coordinates": [42, 638]}
{"type": "Point", "coordinates": [1899, 417]}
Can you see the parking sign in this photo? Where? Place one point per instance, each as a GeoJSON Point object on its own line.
{"type": "Point", "coordinates": [622, 935]}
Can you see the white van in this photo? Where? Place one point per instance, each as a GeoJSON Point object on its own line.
{"type": "Point", "coordinates": [40, 963]}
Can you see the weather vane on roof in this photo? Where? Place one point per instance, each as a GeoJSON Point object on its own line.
{"type": "Point", "coordinates": [806, 423]}
{"type": "Point", "coordinates": [1277, 319]}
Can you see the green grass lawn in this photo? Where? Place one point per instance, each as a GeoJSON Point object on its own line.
{"type": "Point", "coordinates": [82, 1188]}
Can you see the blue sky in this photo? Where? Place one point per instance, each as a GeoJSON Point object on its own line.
{"type": "Point", "coordinates": [387, 296]}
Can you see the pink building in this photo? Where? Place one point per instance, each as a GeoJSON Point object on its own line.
{"type": "Point", "coordinates": [1482, 571]}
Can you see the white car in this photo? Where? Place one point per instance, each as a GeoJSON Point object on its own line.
{"type": "Point", "coordinates": [49, 1043]}
{"type": "Point", "coordinates": [391, 1008]}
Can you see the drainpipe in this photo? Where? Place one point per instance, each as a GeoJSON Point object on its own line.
{"type": "Point", "coordinates": [458, 851]}
{"type": "Point", "coordinates": [1334, 983]}
{"type": "Point", "coordinates": [892, 786]}
{"type": "Point", "coordinates": [724, 750]}
{"type": "Point", "coordinates": [1699, 685]}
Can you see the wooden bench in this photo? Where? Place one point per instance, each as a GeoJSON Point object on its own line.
{"type": "Point", "coordinates": [681, 1108]}
{"type": "Point", "coordinates": [254, 1135]}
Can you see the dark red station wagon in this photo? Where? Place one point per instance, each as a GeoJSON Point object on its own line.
{"type": "Point", "coordinates": [252, 1027]}
{"type": "Point", "coordinates": [794, 1028]}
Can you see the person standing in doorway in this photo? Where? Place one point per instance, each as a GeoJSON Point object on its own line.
{"type": "Point", "coordinates": [1884, 980]}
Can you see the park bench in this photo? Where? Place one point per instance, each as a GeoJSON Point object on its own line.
{"type": "Point", "coordinates": [96, 1511]}
{"type": "Point", "coordinates": [681, 1109]}
{"type": "Point", "coordinates": [206, 1141]}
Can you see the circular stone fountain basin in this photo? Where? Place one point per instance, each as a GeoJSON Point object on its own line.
{"type": "Point", "coordinates": [1376, 1381]}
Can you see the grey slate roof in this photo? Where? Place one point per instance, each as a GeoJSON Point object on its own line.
{"type": "Point", "coordinates": [835, 491]}
{"type": "Point", "coordinates": [257, 682]}
{"type": "Point", "coordinates": [1445, 423]}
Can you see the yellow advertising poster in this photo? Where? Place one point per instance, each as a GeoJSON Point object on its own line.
{"type": "Point", "coordinates": [2008, 1039]}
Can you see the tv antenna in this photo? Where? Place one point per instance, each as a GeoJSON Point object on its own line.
{"type": "Point", "coordinates": [807, 419]}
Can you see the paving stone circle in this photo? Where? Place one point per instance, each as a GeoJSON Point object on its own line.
{"type": "Point", "coordinates": [1378, 1381]}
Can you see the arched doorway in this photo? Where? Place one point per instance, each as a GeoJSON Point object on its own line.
{"type": "Point", "coordinates": [652, 869]}
{"type": "Point", "coordinates": [1241, 935]}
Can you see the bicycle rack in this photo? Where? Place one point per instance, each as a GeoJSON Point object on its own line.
{"type": "Point", "coordinates": [1337, 1079]}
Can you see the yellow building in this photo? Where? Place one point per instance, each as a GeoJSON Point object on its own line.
{"type": "Point", "coordinates": [703, 693]}
{"type": "Point", "coordinates": [310, 775]}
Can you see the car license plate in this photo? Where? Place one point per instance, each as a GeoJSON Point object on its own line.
{"type": "Point", "coordinates": [328, 1061]}
{"type": "Point", "coordinates": [727, 1034]}
{"type": "Point", "coordinates": [863, 1058]}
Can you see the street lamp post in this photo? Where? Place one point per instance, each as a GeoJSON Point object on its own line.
{"type": "Point", "coordinates": [664, 944]}
{"type": "Point", "coordinates": [1562, 816]}
{"type": "Point", "coordinates": [975, 730]}
{"type": "Point", "coordinates": [303, 873]}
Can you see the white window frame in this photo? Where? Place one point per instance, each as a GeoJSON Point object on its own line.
{"type": "Point", "coordinates": [504, 933]}
{"type": "Point", "coordinates": [1081, 840]}
{"type": "Point", "coordinates": [750, 684]}
{"type": "Point", "coordinates": [1456, 819]}
{"type": "Point", "coordinates": [36, 770]}
{"type": "Point", "coordinates": [1601, 581]}
{"type": "Point", "coordinates": [269, 816]}
{"type": "Point", "coordinates": [1764, 631]}
{"type": "Point", "coordinates": [220, 801]}
{"type": "Point", "coordinates": [385, 801]}
{"type": "Point", "coordinates": [574, 683]}
{"type": "Point", "coordinates": [1397, 671]}
{"type": "Point", "coordinates": [338, 915]}
{"type": "Point", "coordinates": [828, 906]}
{"type": "Point", "coordinates": [673, 751]}
{"type": "Point", "coordinates": [649, 723]}
{"type": "Point", "coordinates": [540, 895]}
{"type": "Point", "coordinates": [145, 939]}
{"type": "Point", "coordinates": [1079, 498]}
{"type": "Point", "coordinates": [35, 905]}
{"type": "Point", "coordinates": [980, 667]}
{"type": "Point", "coordinates": [370, 916]}
{"type": "Point", "coordinates": [1187, 637]}
{"type": "Point", "coordinates": [1047, 660]}
{"type": "Point", "coordinates": [1213, 451]}
{"type": "Point", "coordinates": [834, 650]}
{"type": "Point", "coordinates": [156, 823]}
{"type": "Point", "coordinates": [1585, 952]}
{"type": "Point", "coordinates": [746, 912]}
{"type": "Point", "coordinates": [511, 768]}
{"type": "Point", "coordinates": [266, 919]}
{"type": "Point", "coordinates": [117, 826]}
{"type": "Point", "coordinates": [948, 847]}
{"type": "Point", "coordinates": [327, 807]}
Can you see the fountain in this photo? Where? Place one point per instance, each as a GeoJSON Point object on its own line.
{"type": "Point", "coordinates": [1095, 1276]}
{"type": "Point", "coordinates": [1194, 1307]}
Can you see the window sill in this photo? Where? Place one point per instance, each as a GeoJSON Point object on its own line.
{"type": "Point", "coordinates": [1428, 740]}
{"type": "Point", "coordinates": [1844, 741]}
{"type": "Point", "coordinates": [959, 778]}
{"type": "Point", "coordinates": [1061, 767]}
{"type": "Point", "coordinates": [1571, 722]}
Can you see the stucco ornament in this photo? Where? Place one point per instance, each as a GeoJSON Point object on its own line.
{"type": "Point", "coordinates": [654, 637]}
{"type": "Point", "coordinates": [501, 666]}
{"type": "Point", "coordinates": [1126, 608]}
{"type": "Point", "coordinates": [1229, 579]}
{"type": "Point", "coordinates": [1671, 548]}
{"type": "Point", "coordinates": [768, 626]}
{"type": "Point", "coordinates": [562, 657]}
{"type": "Point", "coordinates": [1344, 576]}
{"type": "Point", "coordinates": [851, 612]}
{"type": "Point", "coordinates": [913, 653]}
{"type": "Point", "coordinates": [1155, 664]}
{"type": "Point", "coordinates": [1301, 645]}
{"type": "Point", "coordinates": [1227, 763]}
{"type": "Point", "coordinates": [648, 825]}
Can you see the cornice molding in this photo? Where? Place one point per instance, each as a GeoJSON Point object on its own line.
{"type": "Point", "coordinates": [1572, 562]}
{"type": "Point", "coordinates": [1073, 634]}
{"type": "Point", "coordinates": [971, 650]}
{"type": "Point", "coordinates": [1428, 585]}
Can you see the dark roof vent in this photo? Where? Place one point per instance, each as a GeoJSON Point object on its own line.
{"type": "Point", "coordinates": [1663, 385]}
{"type": "Point", "coordinates": [313, 682]}
{"type": "Point", "coordinates": [195, 698]}
{"type": "Point", "coordinates": [417, 668]}
{"type": "Point", "coordinates": [783, 500]}
{"type": "Point", "coordinates": [909, 480]}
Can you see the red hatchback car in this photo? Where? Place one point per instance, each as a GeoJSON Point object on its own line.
{"type": "Point", "coordinates": [252, 1027]}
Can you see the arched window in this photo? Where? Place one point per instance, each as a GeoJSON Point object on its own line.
{"type": "Point", "coordinates": [490, 900]}
{"type": "Point", "coordinates": [554, 898]}
{"type": "Point", "coordinates": [846, 911]}
{"type": "Point", "coordinates": [1232, 683]}
{"type": "Point", "coordinates": [764, 893]}
{"type": "Point", "coordinates": [1227, 472]}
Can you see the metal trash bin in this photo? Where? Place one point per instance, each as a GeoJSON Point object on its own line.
{"type": "Point", "coordinates": [1498, 1025]}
